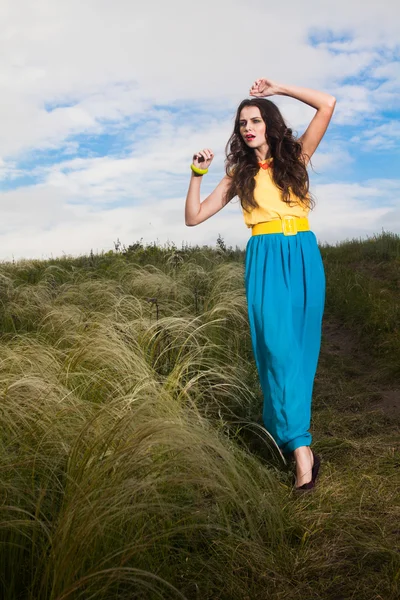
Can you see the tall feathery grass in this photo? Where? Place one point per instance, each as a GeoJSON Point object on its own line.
{"type": "Point", "coordinates": [129, 401]}
{"type": "Point", "coordinates": [115, 483]}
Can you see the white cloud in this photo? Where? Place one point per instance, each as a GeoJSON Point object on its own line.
{"type": "Point", "coordinates": [338, 158]}
{"type": "Point", "coordinates": [72, 69]}
{"type": "Point", "coordinates": [34, 208]}
{"type": "Point", "coordinates": [385, 136]}
{"type": "Point", "coordinates": [83, 229]}
{"type": "Point", "coordinates": [347, 210]}
{"type": "Point", "coordinates": [9, 170]}
{"type": "Point", "coordinates": [52, 226]}
{"type": "Point", "coordinates": [110, 60]}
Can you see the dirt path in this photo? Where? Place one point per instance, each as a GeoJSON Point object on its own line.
{"type": "Point", "coordinates": [339, 346]}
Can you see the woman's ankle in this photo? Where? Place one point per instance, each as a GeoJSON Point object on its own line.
{"type": "Point", "coordinates": [302, 453]}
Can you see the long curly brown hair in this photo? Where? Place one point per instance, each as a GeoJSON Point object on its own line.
{"type": "Point", "coordinates": [289, 172]}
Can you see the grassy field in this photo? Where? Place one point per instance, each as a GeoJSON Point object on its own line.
{"type": "Point", "coordinates": [133, 464]}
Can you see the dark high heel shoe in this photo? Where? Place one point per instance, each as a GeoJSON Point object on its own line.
{"type": "Point", "coordinates": [314, 474]}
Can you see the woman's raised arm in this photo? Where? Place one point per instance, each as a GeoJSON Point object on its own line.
{"type": "Point", "coordinates": [324, 103]}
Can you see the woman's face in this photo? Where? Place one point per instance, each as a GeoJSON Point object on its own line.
{"type": "Point", "coordinates": [252, 126]}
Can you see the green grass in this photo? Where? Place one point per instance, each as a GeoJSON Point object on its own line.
{"type": "Point", "coordinates": [132, 460]}
{"type": "Point", "coordinates": [363, 290]}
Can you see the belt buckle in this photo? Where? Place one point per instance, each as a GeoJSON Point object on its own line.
{"type": "Point", "coordinates": [289, 225]}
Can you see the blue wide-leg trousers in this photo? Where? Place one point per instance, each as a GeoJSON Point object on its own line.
{"type": "Point", "coordinates": [285, 290]}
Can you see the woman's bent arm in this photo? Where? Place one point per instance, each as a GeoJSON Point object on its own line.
{"type": "Point", "coordinates": [313, 98]}
{"type": "Point", "coordinates": [324, 103]}
{"type": "Point", "coordinates": [196, 212]}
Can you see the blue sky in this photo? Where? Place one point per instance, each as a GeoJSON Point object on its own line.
{"type": "Point", "coordinates": [98, 134]}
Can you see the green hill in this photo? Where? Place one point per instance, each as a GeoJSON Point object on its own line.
{"type": "Point", "coordinates": [132, 458]}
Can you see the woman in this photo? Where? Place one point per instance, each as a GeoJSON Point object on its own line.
{"type": "Point", "coordinates": [284, 273]}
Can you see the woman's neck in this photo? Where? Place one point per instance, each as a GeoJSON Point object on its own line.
{"type": "Point", "coordinates": [262, 153]}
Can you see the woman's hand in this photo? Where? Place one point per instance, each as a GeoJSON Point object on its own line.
{"type": "Point", "coordinates": [203, 159]}
{"type": "Point", "coordinates": [263, 87]}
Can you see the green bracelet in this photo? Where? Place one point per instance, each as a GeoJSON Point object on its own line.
{"type": "Point", "coordinates": [197, 170]}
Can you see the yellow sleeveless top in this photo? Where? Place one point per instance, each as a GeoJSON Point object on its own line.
{"type": "Point", "coordinates": [270, 204]}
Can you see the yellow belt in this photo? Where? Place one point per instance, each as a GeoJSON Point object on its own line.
{"type": "Point", "coordinates": [287, 225]}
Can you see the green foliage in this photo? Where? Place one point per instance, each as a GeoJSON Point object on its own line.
{"type": "Point", "coordinates": [363, 287]}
